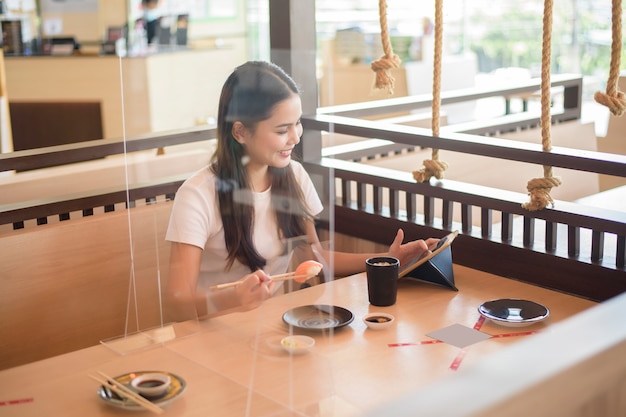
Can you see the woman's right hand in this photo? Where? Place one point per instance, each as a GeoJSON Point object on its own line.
{"type": "Point", "coordinates": [254, 289]}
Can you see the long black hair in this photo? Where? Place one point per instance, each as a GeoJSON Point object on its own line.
{"type": "Point", "coordinates": [249, 96]}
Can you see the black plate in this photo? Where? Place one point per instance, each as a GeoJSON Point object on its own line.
{"type": "Point", "coordinates": [318, 317]}
{"type": "Point", "coordinates": [513, 311]}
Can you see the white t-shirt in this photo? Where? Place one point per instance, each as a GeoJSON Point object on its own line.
{"type": "Point", "coordinates": [196, 220]}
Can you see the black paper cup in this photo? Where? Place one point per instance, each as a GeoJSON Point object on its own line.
{"type": "Point", "coordinates": [382, 280]}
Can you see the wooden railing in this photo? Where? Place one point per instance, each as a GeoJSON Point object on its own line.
{"type": "Point", "coordinates": [569, 247]}
{"type": "Point", "coordinates": [567, 108]}
{"type": "Point", "coordinates": [85, 204]}
{"type": "Point", "coordinates": [572, 93]}
{"type": "Point", "coordinates": [78, 152]}
{"type": "Point", "coordinates": [581, 268]}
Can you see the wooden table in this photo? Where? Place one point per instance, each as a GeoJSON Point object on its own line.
{"type": "Point", "coordinates": [233, 365]}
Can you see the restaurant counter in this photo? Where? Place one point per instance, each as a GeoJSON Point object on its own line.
{"type": "Point", "coordinates": [135, 95]}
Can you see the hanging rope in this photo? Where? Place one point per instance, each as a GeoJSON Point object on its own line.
{"type": "Point", "coordinates": [539, 188]}
{"type": "Point", "coordinates": [383, 65]}
{"type": "Point", "coordinates": [614, 99]}
{"type": "Point", "coordinates": [433, 167]}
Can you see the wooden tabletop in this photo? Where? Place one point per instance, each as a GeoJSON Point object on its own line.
{"type": "Point", "coordinates": [234, 365]}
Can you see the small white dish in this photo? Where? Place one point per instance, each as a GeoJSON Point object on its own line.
{"type": "Point", "coordinates": [152, 384]}
{"type": "Point", "coordinates": [378, 321]}
{"type": "Point", "coordinates": [297, 344]}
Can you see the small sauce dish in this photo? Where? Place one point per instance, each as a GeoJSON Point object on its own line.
{"type": "Point", "coordinates": [378, 321]}
{"type": "Point", "coordinates": [152, 384]}
{"type": "Point", "coordinates": [297, 344]}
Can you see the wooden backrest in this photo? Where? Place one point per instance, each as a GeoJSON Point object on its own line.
{"type": "Point", "coordinates": [71, 284]}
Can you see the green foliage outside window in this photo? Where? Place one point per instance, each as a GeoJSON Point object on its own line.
{"type": "Point", "coordinates": [580, 38]}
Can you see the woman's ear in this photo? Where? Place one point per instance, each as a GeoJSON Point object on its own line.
{"type": "Point", "coordinates": [239, 132]}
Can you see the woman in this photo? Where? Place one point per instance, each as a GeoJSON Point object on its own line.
{"type": "Point", "coordinates": [230, 220]}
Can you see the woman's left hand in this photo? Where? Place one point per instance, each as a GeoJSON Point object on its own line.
{"type": "Point", "coordinates": [407, 251]}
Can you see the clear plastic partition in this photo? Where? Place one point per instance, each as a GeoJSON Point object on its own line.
{"type": "Point", "coordinates": [252, 348]}
{"type": "Point", "coordinates": [97, 280]}
{"type": "Point", "coordinates": [102, 275]}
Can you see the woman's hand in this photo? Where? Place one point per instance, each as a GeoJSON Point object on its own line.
{"type": "Point", "coordinates": [406, 252]}
{"type": "Point", "coordinates": [254, 289]}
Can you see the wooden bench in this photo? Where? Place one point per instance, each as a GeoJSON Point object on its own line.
{"type": "Point", "coordinates": [71, 284]}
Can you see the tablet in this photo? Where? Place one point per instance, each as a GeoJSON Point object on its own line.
{"type": "Point", "coordinates": [442, 244]}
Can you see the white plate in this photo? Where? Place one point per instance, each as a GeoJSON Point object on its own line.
{"type": "Point", "coordinates": [176, 388]}
{"type": "Point", "coordinates": [513, 312]}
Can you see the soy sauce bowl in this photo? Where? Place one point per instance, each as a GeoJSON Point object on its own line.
{"type": "Point", "coordinates": [151, 385]}
{"type": "Point", "coordinates": [378, 321]}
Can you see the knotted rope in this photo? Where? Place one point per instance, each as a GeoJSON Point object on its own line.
{"type": "Point", "coordinates": [614, 99]}
{"type": "Point", "coordinates": [433, 167]}
{"type": "Point", "coordinates": [539, 188]}
{"type": "Point", "coordinates": [383, 65]}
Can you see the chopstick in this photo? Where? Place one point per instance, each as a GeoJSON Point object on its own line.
{"type": "Point", "coordinates": [126, 393]}
{"type": "Point", "coordinates": [290, 275]}
{"type": "Point", "coordinates": [279, 277]}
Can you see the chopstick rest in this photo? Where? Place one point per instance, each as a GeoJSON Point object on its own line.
{"type": "Point", "coordinates": [126, 393]}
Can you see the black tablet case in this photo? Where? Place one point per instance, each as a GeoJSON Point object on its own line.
{"type": "Point", "coordinates": [437, 270]}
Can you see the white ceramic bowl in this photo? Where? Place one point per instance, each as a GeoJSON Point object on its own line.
{"type": "Point", "coordinates": [297, 344]}
{"type": "Point", "coordinates": [152, 384]}
{"type": "Point", "coordinates": [378, 321]}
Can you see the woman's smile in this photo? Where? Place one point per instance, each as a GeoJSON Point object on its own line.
{"type": "Point", "coordinates": [285, 153]}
